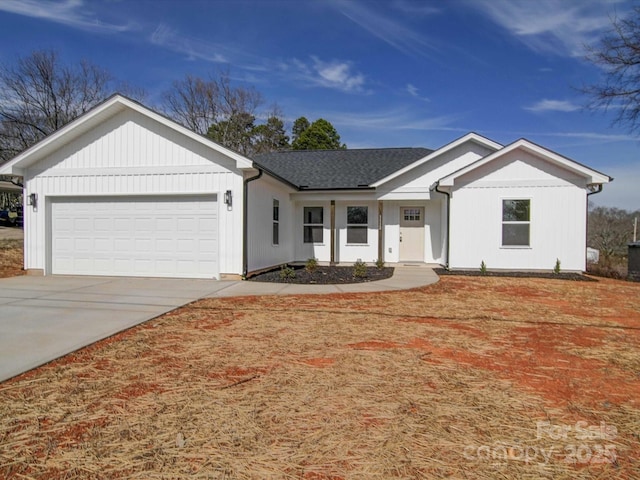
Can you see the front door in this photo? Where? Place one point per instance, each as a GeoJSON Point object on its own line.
{"type": "Point", "coordinates": [412, 234]}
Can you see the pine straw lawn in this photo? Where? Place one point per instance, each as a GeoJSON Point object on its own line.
{"type": "Point", "coordinates": [11, 258]}
{"type": "Point", "coordinates": [471, 378]}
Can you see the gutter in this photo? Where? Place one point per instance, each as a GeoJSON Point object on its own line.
{"type": "Point", "coordinates": [586, 224]}
{"type": "Point", "coordinates": [448, 221]}
{"type": "Point", "coordinates": [245, 232]}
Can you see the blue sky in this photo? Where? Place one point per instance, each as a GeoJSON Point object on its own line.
{"type": "Point", "coordinates": [386, 73]}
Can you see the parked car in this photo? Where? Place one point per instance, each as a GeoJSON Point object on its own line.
{"type": "Point", "coordinates": [12, 217]}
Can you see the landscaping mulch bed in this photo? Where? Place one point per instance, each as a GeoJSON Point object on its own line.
{"type": "Point", "coordinates": [578, 277]}
{"type": "Point", "coordinates": [324, 275]}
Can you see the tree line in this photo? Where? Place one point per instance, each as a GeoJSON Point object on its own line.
{"type": "Point", "coordinates": [40, 93]}
{"type": "Point", "coordinates": [610, 229]}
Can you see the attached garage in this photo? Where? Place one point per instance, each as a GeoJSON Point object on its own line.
{"type": "Point", "coordinates": [123, 191]}
{"type": "Point", "coordinates": [156, 236]}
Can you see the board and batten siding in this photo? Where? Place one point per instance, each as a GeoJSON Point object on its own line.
{"type": "Point", "coordinates": [557, 216]}
{"type": "Point", "coordinates": [262, 253]}
{"type": "Point", "coordinates": [416, 184]}
{"type": "Point", "coordinates": [131, 154]}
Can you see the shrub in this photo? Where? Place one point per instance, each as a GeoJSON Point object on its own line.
{"type": "Point", "coordinates": [311, 265]}
{"type": "Point", "coordinates": [359, 269]}
{"type": "Point", "coordinates": [556, 269]}
{"type": "Point", "coordinates": [287, 273]}
{"type": "Point", "coordinates": [483, 268]}
{"type": "Point", "coordinates": [380, 263]}
{"type": "Point", "coordinates": [609, 266]}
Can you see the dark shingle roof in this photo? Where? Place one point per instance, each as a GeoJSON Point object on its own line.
{"type": "Point", "coordinates": [338, 169]}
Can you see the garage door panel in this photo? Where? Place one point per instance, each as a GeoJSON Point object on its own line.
{"type": "Point", "coordinates": [144, 236]}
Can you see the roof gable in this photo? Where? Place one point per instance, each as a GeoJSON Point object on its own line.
{"type": "Point", "coordinates": [101, 113]}
{"type": "Point", "coordinates": [592, 176]}
{"type": "Point", "coordinates": [338, 169]}
{"type": "Point", "coordinates": [470, 137]}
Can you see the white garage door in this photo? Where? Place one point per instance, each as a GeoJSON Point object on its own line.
{"type": "Point", "coordinates": [163, 236]}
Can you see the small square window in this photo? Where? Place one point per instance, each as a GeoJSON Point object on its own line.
{"type": "Point", "coordinates": [411, 214]}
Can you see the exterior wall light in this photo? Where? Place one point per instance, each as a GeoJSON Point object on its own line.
{"type": "Point", "coordinates": [228, 198]}
{"type": "Point", "coordinates": [32, 200]}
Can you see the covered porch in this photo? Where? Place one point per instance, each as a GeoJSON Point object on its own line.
{"type": "Point", "coordinates": [342, 229]}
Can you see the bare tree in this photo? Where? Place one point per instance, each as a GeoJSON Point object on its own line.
{"type": "Point", "coordinates": [224, 112]}
{"type": "Point", "coordinates": [618, 54]}
{"type": "Point", "coordinates": [194, 103]}
{"type": "Point", "coordinates": [39, 94]}
{"type": "Point", "coordinates": [610, 230]}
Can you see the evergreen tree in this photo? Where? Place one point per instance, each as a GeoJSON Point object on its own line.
{"type": "Point", "coordinates": [320, 135]}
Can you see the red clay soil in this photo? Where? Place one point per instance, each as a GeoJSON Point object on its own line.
{"type": "Point", "coordinates": [569, 344]}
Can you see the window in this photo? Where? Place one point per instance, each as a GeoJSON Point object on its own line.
{"type": "Point", "coordinates": [313, 224]}
{"type": "Point", "coordinates": [357, 222]}
{"type": "Point", "coordinates": [411, 214]}
{"type": "Point", "coordinates": [275, 237]}
{"type": "Point", "coordinates": [516, 220]}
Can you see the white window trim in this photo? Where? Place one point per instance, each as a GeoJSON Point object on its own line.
{"type": "Point", "coordinates": [503, 222]}
{"type": "Point", "coordinates": [358, 225]}
{"type": "Point", "coordinates": [305, 224]}
{"type": "Point", "coordinates": [274, 221]}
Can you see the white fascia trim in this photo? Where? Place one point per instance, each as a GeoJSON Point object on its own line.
{"type": "Point", "coordinates": [110, 107]}
{"type": "Point", "coordinates": [592, 176]}
{"type": "Point", "coordinates": [474, 137]}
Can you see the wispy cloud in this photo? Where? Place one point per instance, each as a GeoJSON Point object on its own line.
{"type": "Point", "coordinates": [396, 119]}
{"type": "Point", "coordinates": [415, 92]}
{"type": "Point", "coordinates": [550, 26]}
{"type": "Point", "coordinates": [72, 13]}
{"type": "Point", "coordinates": [547, 105]}
{"type": "Point", "coordinates": [334, 74]}
{"type": "Point", "coordinates": [165, 36]}
{"type": "Point", "coordinates": [379, 24]}
{"type": "Point", "coordinates": [414, 8]}
{"type": "Point", "coordinates": [606, 137]}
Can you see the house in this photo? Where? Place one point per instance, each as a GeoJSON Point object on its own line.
{"type": "Point", "coordinates": [125, 191]}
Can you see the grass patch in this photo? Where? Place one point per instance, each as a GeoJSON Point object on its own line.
{"type": "Point", "coordinates": [11, 258]}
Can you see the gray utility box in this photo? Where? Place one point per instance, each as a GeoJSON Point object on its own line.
{"type": "Point", "coordinates": [634, 261]}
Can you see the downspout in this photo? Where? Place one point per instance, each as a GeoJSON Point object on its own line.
{"type": "Point", "coordinates": [245, 223]}
{"type": "Point", "coordinates": [586, 224]}
{"type": "Point", "coordinates": [448, 222]}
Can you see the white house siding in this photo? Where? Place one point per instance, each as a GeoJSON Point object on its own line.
{"type": "Point", "coordinates": [304, 251]}
{"type": "Point", "coordinates": [349, 253]}
{"type": "Point", "coordinates": [558, 209]}
{"type": "Point", "coordinates": [416, 183]}
{"type": "Point", "coordinates": [262, 253]}
{"type": "Point", "coordinates": [433, 234]}
{"type": "Point", "coordinates": [130, 154]}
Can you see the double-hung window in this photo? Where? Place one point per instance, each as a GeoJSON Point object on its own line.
{"type": "Point", "coordinates": [357, 224]}
{"type": "Point", "coordinates": [516, 223]}
{"type": "Point", "coordinates": [275, 236]}
{"type": "Point", "coordinates": [313, 224]}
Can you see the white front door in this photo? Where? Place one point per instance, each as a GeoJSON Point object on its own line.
{"type": "Point", "coordinates": [411, 234]}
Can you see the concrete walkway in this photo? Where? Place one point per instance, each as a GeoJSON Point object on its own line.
{"type": "Point", "coordinates": [404, 278]}
{"type": "Point", "coordinates": [44, 318]}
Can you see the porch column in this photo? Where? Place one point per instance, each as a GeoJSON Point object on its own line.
{"type": "Point", "coordinates": [333, 232]}
{"type": "Point", "coordinates": [380, 233]}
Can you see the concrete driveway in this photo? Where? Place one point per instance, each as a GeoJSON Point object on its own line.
{"type": "Point", "coordinates": [43, 318]}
